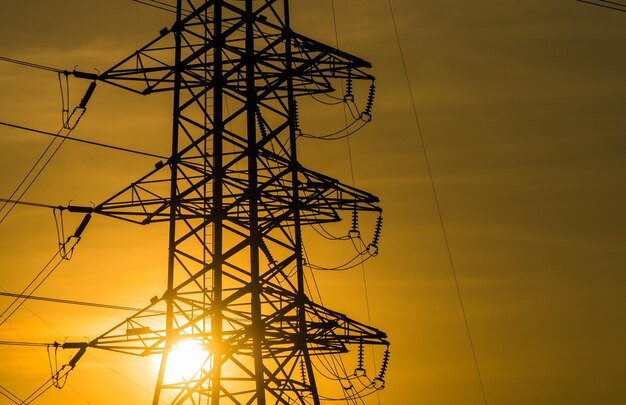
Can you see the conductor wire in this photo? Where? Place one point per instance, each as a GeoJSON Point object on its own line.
{"type": "Point", "coordinates": [28, 183]}
{"type": "Point", "coordinates": [49, 152]}
{"type": "Point", "coordinates": [9, 395]}
{"type": "Point", "coordinates": [69, 138]}
{"type": "Point", "coordinates": [31, 65]}
{"type": "Point", "coordinates": [436, 198]}
{"type": "Point", "coordinates": [623, 10]}
{"type": "Point", "coordinates": [37, 281]}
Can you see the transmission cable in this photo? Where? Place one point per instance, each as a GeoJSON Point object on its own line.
{"type": "Point", "coordinates": [26, 344]}
{"type": "Point", "coordinates": [26, 181]}
{"type": "Point", "coordinates": [22, 297]}
{"type": "Point", "coordinates": [49, 152]}
{"type": "Point", "coordinates": [436, 198]}
{"type": "Point", "coordinates": [80, 303]}
{"type": "Point", "coordinates": [31, 204]}
{"type": "Point", "coordinates": [37, 353]}
{"type": "Point", "coordinates": [9, 395]}
{"type": "Point", "coordinates": [35, 344]}
{"type": "Point", "coordinates": [31, 65]}
{"type": "Point", "coordinates": [160, 5]}
{"type": "Point", "coordinates": [63, 253]}
{"type": "Point", "coordinates": [94, 143]}
{"type": "Point", "coordinates": [606, 5]}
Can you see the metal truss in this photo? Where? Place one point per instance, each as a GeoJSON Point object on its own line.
{"type": "Point", "coordinates": [236, 198]}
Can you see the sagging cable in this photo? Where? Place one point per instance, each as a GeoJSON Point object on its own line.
{"type": "Point", "coordinates": [59, 376]}
{"type": "Point", "coordinates": [73, 239]}
{"type": "Point", "coordinates": [46, 156]}
{"type": "Point", "coordinates": [65, 252]}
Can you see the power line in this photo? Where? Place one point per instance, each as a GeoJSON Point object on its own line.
{"type": "Point", "coordinates": [27, 344]}
{"type": "Point", "coordinates": [60, 333]}
{"type": "Point", "coordinates": [32, 204]}
{"type": "Point", "coordinates": [49, 152]}
{"type": "Point", "coordinates": [69, 138]}
{"type": "Point", "coordinates": [154, 5]}
{"type": "Point", "coordinates": [16, 303]}
{"type": "Point", "coordinates": [32, 65]}
{"type": "Point", "coordinates": [35, 176]}
{"type": "Point", "coordinates": [160, 5]}
{"type": "Point", "coordinates": [81, 303]}
{"type": "Point", "coordinates": [612, 3]}
{"type": "Point", "coordinates": [9, 395]}
{"type": "Point", "coordinates": [436, 198]}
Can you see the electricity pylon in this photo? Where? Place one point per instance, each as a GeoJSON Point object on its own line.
{"type": "Point", "coordinates": [236, 200]}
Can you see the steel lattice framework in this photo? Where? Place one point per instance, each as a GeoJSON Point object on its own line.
{"type": "Point", "coordinates": [236, 199]}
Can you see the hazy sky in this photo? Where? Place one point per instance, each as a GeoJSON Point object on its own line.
{"type": "Point", "coordinates": [521, 105]}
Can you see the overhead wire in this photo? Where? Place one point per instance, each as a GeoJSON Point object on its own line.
{"type": "Point", "coordinates": [60, 333]}
{"type": "Point", "coordinates": [162, 6]}
{"type": "Point", "coordinates": [49, 152]}
{"type": "Point", "coordinates": [149, 4]}
{"type": "Point", "coordinates": [79, 303]}
{"type": "Point", "coordinates": [26, 344]}
{"type": "Point", "coordinates": [63, 253]}
{"type": "Point", "coordinates": [37, 281]}
{"type": "Point", "coordinates": [94, 143]}
{"type": "Point", "coordinates": [437, 204]}
{"type": "Point", "coordinates": [606, 5]}
{"type": "Point", "coordinates": [31, 204]}
{"type": "Point", "coordinates": [36, 352]}
{"type": "Point", "coordinates": [26, 181]}
{"type": "Point", "coordinates": [9, 395]}
{"type": "Point", "coordinates": [67, 125]}
{"type": "Point", "coordinates": [31, 65]}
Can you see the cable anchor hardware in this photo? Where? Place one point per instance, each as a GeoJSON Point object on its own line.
{"type": "Point", "coordinates": [360, 370]}
{"type": "Point", "coordinates": [379, 381]}
{"type": "Point", "coordinates": [372, 248]}
{"type": "Point", "coordinates": [71, 122]}
{"type": "Point", "coordinates": [349, 97]}
{"type": "Point", "coordinates": [354, 232]}
{"type": "Point", "coordinates": [366, 115]}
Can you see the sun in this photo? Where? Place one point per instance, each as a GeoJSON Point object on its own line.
{"type": "Point", "coordinates": [184, 361]}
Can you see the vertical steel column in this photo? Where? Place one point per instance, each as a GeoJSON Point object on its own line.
{"type": "Point", "coordinates": [253, 196]}
{"type": "Point", "coordinates": [217, 348]}
{"type": "Point", "coordinates": [295, 166]}
{"type": "Point", "coordinates": [174, 208]}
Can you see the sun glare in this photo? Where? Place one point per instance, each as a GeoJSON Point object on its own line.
{"type": "Point", "coordinates": [184, 361]}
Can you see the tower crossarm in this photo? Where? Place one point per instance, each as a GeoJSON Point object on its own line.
{"type": "Point", "coordinates": [312, 64]}
{"type": "Point", "coordinates": [327, 331]}
{"type": "Point", "coordinates": [321, 199]}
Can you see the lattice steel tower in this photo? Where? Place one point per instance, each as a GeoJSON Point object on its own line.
{"type": "Point", "coordinates": [236, 200]}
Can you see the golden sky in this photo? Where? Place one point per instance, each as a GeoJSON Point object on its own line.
{"type": "Point", "coordinates": [521, 105]}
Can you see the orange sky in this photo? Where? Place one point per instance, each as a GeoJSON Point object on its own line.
{"type": "Point", "coordinates": [522, 111]}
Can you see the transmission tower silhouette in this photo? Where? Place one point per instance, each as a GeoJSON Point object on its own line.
{"type": "Point", "coordinates": [236, 200]}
